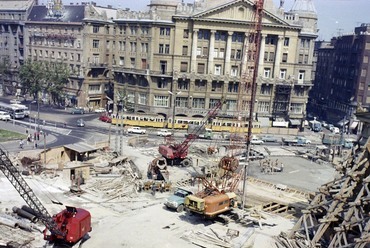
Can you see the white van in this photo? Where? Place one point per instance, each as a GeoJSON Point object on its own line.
{"type": "Point", "coordinates": [4, 116]}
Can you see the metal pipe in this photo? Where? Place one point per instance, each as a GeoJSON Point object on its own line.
{"type": "Point", "coordinates": [8, 222]}
{"type": "Point", "coordinates": [29, 210]}
{"type": "Point", "coordinates": [25, 214]}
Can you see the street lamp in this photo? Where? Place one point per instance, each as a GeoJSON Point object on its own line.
{"type": "Point", "coordinates": [174, 95]}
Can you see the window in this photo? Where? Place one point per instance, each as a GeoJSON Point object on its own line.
{"type": "Point", "coordinates": [132, 60]}
{"type": "Point", "coordinates": [300, 59]}
{"type": "Point", "coordinates": [200, 85]}
{"type": "Point", "coordinates": [167, 49]}
{"type": "Point", "coordinates": [296, 108]}
{"type": "Point", "coordinates": [301, 76]}
{"type": "Point", "coordinates": [144, 47]}
{"type": "Point", "coordinates": [122, 30]}
{"type": "Point", "coordinates": [282, 74]}
{"type": "Point", "coordinates": [231, 105]}
{"type": "Point", "coordinates": [161, 84]}
{"type": "Point", "coordinates": [217, 86]}
{"type": "Point", "coordinates": [205, 51]}
{"type": "Point", "coordinates": [285, 58]}
{"type": "Point", "coordinates": [133, 30]}
{"type": "Point", "coordinates": [263, 107]}
{"type": "Point", "coordinates": [121, 60]}
{"type": "Point", "coordinates": [213, 103]}
{"type": "Point", "coordinates": [95, 43]}
{"type": "Point", "coordinates": [93, 89]}
{"type": "Point", "coordinates": [133, 47]}
{"type": "Point", "coordinates": [164, 31]}
{"type": "Point", "coordinates": [185, 50]}
{"type": "Point", "coordinates": [183, 85]}
{"type": "Point", "coordinates": [270, 40]}
{"type": "Point", "coordinates": [234, 71]}
{"type": "Point", "coordinates": [222, 53]}
{"type": "Point", "coordinates": [163, 66]}
{"type": "Point", "coordinates": [298, 91]}
{"type": "Point", "coordinates": [265, 89]}
{"type": "Point", "coordinates": [201, 68]}
{"type": "Point", "coordinates": [161, 48]}
{"type": "Point", "coordinates": [220, 35]}
{"type": "Point", "coordinates": [238, 54]}
{"type": "Point", "coordinates": [198, 103]}
{"type": "Point", "coordinates": [237, 37]}
{"type": "Point", "coordinates": [122, 45]}
{"type": "Point", "coordinates": [184, 67]}
{"type": "Point", "coordinates": [217, 69]}
{"type": "Point", "coordinates": [161, 101]}
{"type": "Point", "coordinates": [233, 87]}
{"type": "Point", "coordinates": [186, 33]}
{"type": "Point", "coordinates": [266, 72]}
{"type": "Point", "coordinates": [215, 52]}
{"type": "Point", "coordinates": [286, 41]}
{"type": "Point", "coordinates": [203, 35]}
{"type": "Point", "coordinates": [181, 102]}
{"type": "Point", "coordinates": [95, 29]}
{"type": "Point", "coordinates": [199, 51]}
{"type": "Point", "coordinates": [144, 30]}
{"type": "Point", "coordinates": [305, 59]}
{"type": "Point", "coordinates": [142, 99]}
{"type": "Point", "coordinates": [271, 57]}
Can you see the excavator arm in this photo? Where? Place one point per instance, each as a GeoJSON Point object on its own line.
{"type": "Point", "coordinates": [24, 190]}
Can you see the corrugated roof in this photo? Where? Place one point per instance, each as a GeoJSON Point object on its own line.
{"type": "Point", "coordinates": [81, 147]}
{"type": "Point", "coordinates": [71, 13]}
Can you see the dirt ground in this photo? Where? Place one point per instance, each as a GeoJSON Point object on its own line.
{"type": "Point", "coordinates": [139, 219]}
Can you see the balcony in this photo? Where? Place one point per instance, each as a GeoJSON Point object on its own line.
{"type": "Point", "coordinates": [98, 65]}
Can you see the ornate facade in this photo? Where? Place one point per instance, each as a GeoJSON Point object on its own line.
{"type": "Point", "coordinates": [196, 52]}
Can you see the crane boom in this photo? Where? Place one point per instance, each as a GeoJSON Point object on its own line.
{"type": "Point", "coordinates": [193, 136]}
{"type": "Point", "coordinates": [15, 178]}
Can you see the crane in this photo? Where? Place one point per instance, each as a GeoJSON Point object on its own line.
{"type": "Point", "coordinates": [176, 154]}
{"type": "Point", "coordinates": [68, 226]}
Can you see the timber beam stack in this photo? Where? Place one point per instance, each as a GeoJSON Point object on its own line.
{"type": "Point", "coordinates": [339, 214]}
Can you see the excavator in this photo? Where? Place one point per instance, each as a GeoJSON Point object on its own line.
{"type": "Point", "coordinates": [177, 154]}
{"type": "Point", "coordinates": [68, 227]}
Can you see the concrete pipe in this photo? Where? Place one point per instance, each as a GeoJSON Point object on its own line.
{"type": "Point", "coordinates": [29, 210]}
{"type": "Point", "coordinates": [8, 222]}
{"type": "Point", "coordinates": [25, 214]}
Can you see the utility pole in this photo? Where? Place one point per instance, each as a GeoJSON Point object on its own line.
{"type": "Point", "coordinates": [174, 95]}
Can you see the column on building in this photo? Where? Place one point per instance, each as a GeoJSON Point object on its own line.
{"type": "Point", "coordinates": [310, 51]}
{"type": "Point", "coordinates": [228, 53]}
{"type": "Point", "coordinates": [211, 51]}
{"type": "Point", "coordinates": [194, 51]}
{"type": "Point", "coordinates": [262, 54]}
{"type": "Point", "coordinates": [272, 96]}
{"type": "Point", "coordinates": [279, 45]}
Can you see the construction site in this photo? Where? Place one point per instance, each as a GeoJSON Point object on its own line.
{"type": "Point", "coordinates": [119, 193]}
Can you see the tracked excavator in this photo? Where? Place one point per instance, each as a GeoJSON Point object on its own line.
{"type": "Point", "coordinates": [69, 226]}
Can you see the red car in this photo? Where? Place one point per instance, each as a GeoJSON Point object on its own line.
{"type": "Point", "coordinates": [105, 118]}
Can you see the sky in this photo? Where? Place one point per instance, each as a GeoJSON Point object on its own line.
{"type": "Point", "coordinates": [336, 17]}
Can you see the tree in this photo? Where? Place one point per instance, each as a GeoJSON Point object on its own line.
{"type": "Point", "coordinates": [47, 77]}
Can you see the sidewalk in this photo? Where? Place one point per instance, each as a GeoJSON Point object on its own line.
{"type": "Point", "coordinates": [19, 127]}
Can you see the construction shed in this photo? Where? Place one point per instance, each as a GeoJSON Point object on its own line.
{"type": "Point", "coordinates": [79, 151]}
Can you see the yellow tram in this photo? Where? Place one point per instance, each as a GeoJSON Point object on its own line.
{"type": "Point", "coordinates": [181, 122]}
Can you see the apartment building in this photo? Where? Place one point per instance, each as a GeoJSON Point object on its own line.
{"type": "Point", "coordinates": [191, 55]}
{"type": "Point", "coordinates": [12, 17]}
{"type": "Point", "coordinates": [342, 77]}
{"type": "Point", "coordinates": [75, 35]}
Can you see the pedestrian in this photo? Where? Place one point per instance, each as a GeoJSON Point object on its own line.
{"type": "Point", "coordinates": [282, 167]}
{"type": "Point", "coordinates": [21, 144]}
{"type": "Point", "coordinates": [38, 136]}
{"type": "Point", "coordinates": [26, 131]}
{"type": "Point", "coordinates": [35, 145]}
{"type": "Point", "coordinates": [34, 136]}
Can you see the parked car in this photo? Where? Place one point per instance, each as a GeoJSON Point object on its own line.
{"type": "Point", "coordinates": [330, 126]}
{"type": "Point", "coordinates": [164, 133]}
{"type": "Point", "coordinates": [4, 116]}
{"type": "Point", "coordinates": [137, 130]}
{"type": "Point", "coordinates": [256, 141]}
{"type": "Point", "coordinates": [176, 201]}
{"type": "Point", "coordinates": [335, 130]}
{"type": "Point", "coordinates": [80, 111]}
{"type": "Point", "coordinates": [80, 123]}
{"type": "Point", "coordinates": [269, 138]}
{"type": "Point", "coordinates": [105, 118]}
{"type": "Point", "coordinates": [100, 110]}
